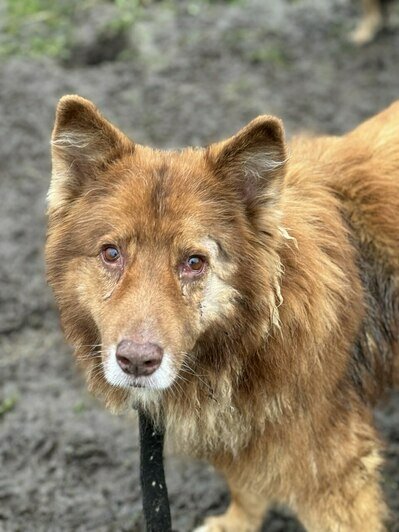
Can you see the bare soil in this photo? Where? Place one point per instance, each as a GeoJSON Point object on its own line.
{"type": "Point", "coordinates": [191, 73]}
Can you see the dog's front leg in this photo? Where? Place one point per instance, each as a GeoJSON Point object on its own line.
{"type": "Point", "coordinates": [245, 514]}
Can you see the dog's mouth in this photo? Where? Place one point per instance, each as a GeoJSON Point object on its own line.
{"type": "Point", "coordinates": [141, 383]}
{"type": "Point", "coordinates": [138, 385]}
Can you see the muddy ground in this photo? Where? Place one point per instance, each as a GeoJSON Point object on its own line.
{"type": "Point", "coordinates": [191, 73]}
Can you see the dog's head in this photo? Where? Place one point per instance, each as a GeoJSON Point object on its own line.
{"type": "Point", "coordinates": [160, 258]}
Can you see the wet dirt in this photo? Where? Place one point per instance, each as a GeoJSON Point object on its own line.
{"type": "Point", "coordinates": [191, 74]}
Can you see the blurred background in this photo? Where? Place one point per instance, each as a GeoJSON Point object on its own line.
{"type": "Point", "coordinates": [169, 73]}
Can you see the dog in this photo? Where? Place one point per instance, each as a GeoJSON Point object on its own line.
{"type": "Point", "coordinates": [245, 295]}
{"type": "Point", "coordinates": [371, 23]}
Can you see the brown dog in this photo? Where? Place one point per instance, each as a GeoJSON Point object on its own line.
{"type": "Point", "coordinates": [245, 294]}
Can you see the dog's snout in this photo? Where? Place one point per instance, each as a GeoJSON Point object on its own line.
{"type": "Point", "coordinates": [138, 359]}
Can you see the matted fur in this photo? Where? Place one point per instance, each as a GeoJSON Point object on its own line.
{"type": "Point", "coordinates": [278, 352]}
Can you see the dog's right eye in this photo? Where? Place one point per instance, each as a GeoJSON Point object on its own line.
{"type": "Point", "coordinates": [110, 254]}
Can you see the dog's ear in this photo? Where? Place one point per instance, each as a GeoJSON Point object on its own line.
{"type": "Point", "coordinates": [83, 143]}
{"type": "Point", "coordinates": [253, 161]}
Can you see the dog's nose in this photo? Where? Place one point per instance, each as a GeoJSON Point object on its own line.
{"type": "Point", "coordinates": [138, 359]}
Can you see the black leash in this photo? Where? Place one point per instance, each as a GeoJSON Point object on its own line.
{"type": "Point", "coordinates": [152, 476]}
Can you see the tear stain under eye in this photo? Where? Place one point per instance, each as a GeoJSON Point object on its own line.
{"type": "Point", "coordinates": [109, 293]}
{"type": "Point", "coordinates": [184, 290]}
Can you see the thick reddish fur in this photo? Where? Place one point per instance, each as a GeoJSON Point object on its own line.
{"type": "Point", "coordinates": [275, 384]}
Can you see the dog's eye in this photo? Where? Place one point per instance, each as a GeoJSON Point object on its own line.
{"type": "Point", "coordinates": [196, 263]}
{"type": "Point", "coordinates": [193, 266]}
{"type": "Point", "coordinates": [110, 254]}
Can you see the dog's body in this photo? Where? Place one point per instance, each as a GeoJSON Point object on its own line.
{"type": "Point", "coordinates": [248, 299]}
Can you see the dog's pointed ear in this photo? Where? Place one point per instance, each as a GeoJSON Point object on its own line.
{"type": "Point", "coordinates": [83, 143]}
{"type": "Point", "coordinates": [253, 161]}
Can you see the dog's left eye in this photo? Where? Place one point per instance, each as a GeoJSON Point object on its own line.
{"type": "Point", "coordinates": [195, 263]}
{"type": "Point", "coordinates": [193, 266]}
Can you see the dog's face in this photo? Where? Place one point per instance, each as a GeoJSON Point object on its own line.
{"type": "Point", "coordinates": [151, 253]}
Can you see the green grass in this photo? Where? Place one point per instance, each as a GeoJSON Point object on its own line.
{"type": "Point", "coordinates": [35, 28]}
{"type": "Point", "coordinates": [7, 404]}
{"type": "Point", "coordinates": [79, 407]}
